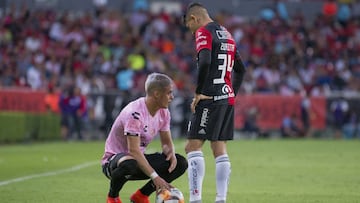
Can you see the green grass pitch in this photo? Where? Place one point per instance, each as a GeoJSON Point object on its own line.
{"type": "Point", "coordinates": [263, 171]}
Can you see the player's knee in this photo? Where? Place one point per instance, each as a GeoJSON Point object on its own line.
{"type": "Point", "coordinates": [193, 145]}
{"type": "Point", "coordinates": [128, 166]}
{"type": "Point", "coordinates": [182, 163]}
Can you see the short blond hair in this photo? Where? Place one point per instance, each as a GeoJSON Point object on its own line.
{"type": "Point", "coordinates": [157, 81]}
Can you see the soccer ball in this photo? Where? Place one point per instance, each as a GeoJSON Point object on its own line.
{"type": "Point", "coordinates": [174, 195]}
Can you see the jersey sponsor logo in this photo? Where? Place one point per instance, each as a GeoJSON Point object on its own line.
{"type": "Point", "coordinates": [223, 34]}
{"type": "Point", "coordinates": [136, 115]}
{"type": "Point", "coordinates": [227, 47]}
{"type": "Point", "coordinates": [226, 96]}
{"type": "Point", "coordinates": [195, 184]}
{"type": "Point", "coordinates": [226, 89]}
{"type": "Point", "coordinates": [227, 93]}
{"type": "Point", "coordinates": [204, 117]}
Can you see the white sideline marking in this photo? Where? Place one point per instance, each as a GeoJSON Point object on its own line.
{"type": "Point", "coordinates": [52, 173]}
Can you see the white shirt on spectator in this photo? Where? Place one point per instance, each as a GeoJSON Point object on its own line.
{"type": "Point", "coordinates": [56, 31]}
{"type": "Point", "coordinates": [53, 67]}
{"type": "Point", "coordinates": [34, 77]}
{"type": "Point", "coordinates": [32, 43]}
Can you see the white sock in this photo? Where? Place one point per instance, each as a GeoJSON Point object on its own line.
{"type": "Point", "coordinates": [223, 170]}
{"type": "Point", "coordinates": [196, 172]}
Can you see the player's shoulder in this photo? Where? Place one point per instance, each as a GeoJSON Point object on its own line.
{"type": "Point", "coordinates": [164, 112]}
{"type": "Point", "coordinates": [206, 29]}
{"type": "Point", "coordinates": [163, 115]}
{"type": "Point", "coordinates": [202, 32]}
{"type": "Point", "coordinates": [216, 29]}
{"type": "Point", "coordinates": [213, 26]}
{"type": "Point", "coordinates": [134, 108]}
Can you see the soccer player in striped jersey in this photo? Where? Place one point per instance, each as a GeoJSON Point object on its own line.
{"type": "Point", "coordinates": [220, 74]}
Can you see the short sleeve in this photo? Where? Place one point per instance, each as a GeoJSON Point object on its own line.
{"type": "Point", "coordinates": [132, 124]}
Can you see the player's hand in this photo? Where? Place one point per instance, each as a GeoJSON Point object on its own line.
{"type": "Point", "coordinates": [173, 161]}
{"type": "Point", "coordinates": [161, 184]}
{"type": "Point", "coordinates": [196, 100]}
{"type": "Point", "coordinates": [170, 156]}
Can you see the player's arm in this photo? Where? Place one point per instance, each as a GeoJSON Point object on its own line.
{"type": "Point", "coordinates": [136, 153]}
{"type": "Point", "coordinates": [204, 61]}
{"type": "Point", "coordinates": [239, 72]}
{"type": "Point", "coordinates": [168, 149]}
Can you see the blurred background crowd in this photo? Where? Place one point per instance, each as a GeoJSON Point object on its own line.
{"type": "Point", "coordinates": [97, 59]}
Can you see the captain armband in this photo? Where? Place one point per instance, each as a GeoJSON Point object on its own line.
{"type": "Point", "coordinates": [132, 134]}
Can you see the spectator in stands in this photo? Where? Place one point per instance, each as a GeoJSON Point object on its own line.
{"type": "Point", "coordinates": [35, 75]}
{"type": "Point", "coordinates": [340, 114]}
{"type": "Point", "coordinates": [305, 113]}
{"type": "Point", "coordinates": [290, 127]}
{"type": "Point", "coordinates": [351, 128]}
{"type": "Point", "coordinates": [273, 46]}
{"type": "Point", "coordinates": [290, 39]}
{"type": "Point", "coordinates": [73, 109]}
{"type": "Point", "coordinates": [251, 127]}
{"type": "Point", "coordinates": [52, 100]}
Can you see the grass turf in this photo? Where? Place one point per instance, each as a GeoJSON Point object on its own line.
{"type": "Point", "coordinates": [263, 171]}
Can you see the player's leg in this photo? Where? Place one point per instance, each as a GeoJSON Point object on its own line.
{"type": "Point", "coordinates": [222, 170]}
{"type": "Point", "coordinates": [218, 146]}
{"type": "Point", "coordinates": [196, 134]}
{"type": "Point", "coordinates": [159, 163]}
{"type": "Point", "coordinates": [117, 170]}
{"type": "Point", "coordinates": [196, 170]}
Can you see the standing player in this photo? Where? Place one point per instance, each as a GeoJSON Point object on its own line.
{"type": "Point", "coordinates": [134, 128]}
{"type": "Point", "coordinates": [213, 104]}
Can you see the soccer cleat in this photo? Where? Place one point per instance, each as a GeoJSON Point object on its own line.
{"type": "Point", "coordinates": [113, 200]}
{"type": "Point", "coordinates": [139, 197]}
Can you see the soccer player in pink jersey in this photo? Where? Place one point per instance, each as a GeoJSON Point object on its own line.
{"type": "Point", "coordinates": [135, 127]}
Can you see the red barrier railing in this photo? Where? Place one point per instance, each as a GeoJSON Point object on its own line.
{"type": "Point", "coordinates": [271, 109]}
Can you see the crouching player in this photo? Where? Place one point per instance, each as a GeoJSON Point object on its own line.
{"type": "Point", "coordinates": [135, 127]}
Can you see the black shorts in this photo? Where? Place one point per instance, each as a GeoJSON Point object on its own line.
{"type": "Point", "coordinates": [212, 122]}
{"type": "Point", "coordinates": [157, 161]}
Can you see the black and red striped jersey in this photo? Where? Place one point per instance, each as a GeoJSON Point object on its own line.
{"type": "Point", "coordinates": [219, 41]}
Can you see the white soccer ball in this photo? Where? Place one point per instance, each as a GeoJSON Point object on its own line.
{"type": "Point", "coordinates": [174, 195]}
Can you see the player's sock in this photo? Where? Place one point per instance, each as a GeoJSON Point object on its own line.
{"type": "Point", "coordinates": [196, 172]}
{"type": "Point", "coordinates": [223, 169]}
{"type": "Point", "coordinates": [148, 188]}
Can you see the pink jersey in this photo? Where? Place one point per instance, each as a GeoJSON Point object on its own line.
{"type": "Point", "coordinates": [135, 119]}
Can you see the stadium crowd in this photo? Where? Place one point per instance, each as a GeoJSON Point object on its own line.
{"type": "Point", "coordinates": [109, 50]}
